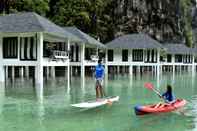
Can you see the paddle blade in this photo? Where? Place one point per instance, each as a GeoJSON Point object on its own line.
{"type": "Point", "coordinates": [148, 86]}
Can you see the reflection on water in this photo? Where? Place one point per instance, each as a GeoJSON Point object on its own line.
{"type": "Point", "coordinates": [47, 108]}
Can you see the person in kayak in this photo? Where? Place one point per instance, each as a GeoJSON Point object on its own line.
{"type": "Point", "coordinates": [168, 96]}
{"type": "Point", "coordinates": [99, 75]}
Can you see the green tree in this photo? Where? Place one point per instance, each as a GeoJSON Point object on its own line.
{"type": "Point", "coordinates": [71, 12]}
{"type": "Point", "coordinates": [38, 6]}
{"type": "Point", "coordinates": [84, 14]}
{"type": "Point", "coordinates": [185, 6]}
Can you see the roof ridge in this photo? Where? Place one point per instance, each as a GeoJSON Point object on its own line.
{"type": "Point", "coordinates": [37, 16]}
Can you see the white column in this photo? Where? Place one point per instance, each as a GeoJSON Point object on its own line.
{"type": "Point", "coordinates": [22, 72]}
{"type": "Point", "coordinates": [53, 72]}
{"type": "Point", "coordinates": [118, 69]}
{"type": "Point", "coordinates": [193, 59]}
{"type": "Point", "coordinates": [13, 73]}
{"type": "Point", "coordinates": [71, 70]}
{"type": "Point", "coordinates": [131, 62]}
{"type": "Point", "coordinates": [173, 68]}
{"type": "Point", "coordinates": [68, 67]}
{"type": "Point", "coordinates": [161, 71]}
{"type": "Point", "coordinates": [158, 62]}
{"type": "Point", "coordinates": [47, 72]}
{"type": "Point", "coordinates": [39, 67]}
{"type": "Point", "coordinates": [2, 74]}
{"type": "Point", "coordinates": [2, 97]}
{"type": "Point", "coordinates": [138, 69]}
{"type": "Point", "coordinates": [83, 60]}
{"type": "Point", "coordinates": [193, 65]}
{"type": "Point", "coordinates": [18, 39]}
{"type": "Point", "coordinates": [130, 70]}
{"type": "Point", "coordinates": [106, 62]}
{"type": "Point", "coordinates": [27, 71]}
{"type": "Point", "coordinates": [173, 62]}
{"type": "Point", "coordinates": [6, 72]}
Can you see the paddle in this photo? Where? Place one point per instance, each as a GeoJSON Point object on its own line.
{"type": "Point", "coordinates": [151, 87]}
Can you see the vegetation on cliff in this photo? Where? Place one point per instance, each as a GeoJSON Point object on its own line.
{"type": "Point", "coordinates": [164, 20]}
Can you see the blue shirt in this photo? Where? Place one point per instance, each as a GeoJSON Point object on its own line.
{"type": "Point", "coordinates": [99, 71]}
{"type": "Point", "coordinates": [169, 97]}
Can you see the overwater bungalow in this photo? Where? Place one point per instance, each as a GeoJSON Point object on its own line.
{"type": "Point", "coordinates": [178, 57]}
{"type": "Point", "coordinates": [133, 53]}
{"type": "Point", "coordinates": [31, 46]}
{"type": "Point", "coordinates": [84, 53]}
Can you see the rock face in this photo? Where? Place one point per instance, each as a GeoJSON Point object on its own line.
{"type": "Point", "coordinates": [158, 18]}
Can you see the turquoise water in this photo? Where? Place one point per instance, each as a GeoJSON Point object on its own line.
{"type": "Point", "coordinates": [23, 107]}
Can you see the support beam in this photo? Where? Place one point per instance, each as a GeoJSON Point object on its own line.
{"type": "Point", "coordinates": [2, 74]}
{"type": "Point", "coordinates": [39, 67]}
{"type": "Point", "coordinates": [6, 72]}
{"type": "Point", "coordinates": [130, 70]}
{"type": "Point", "coordinates": [39, 75]}
{"type": "Point", "coordinates": [53, 72]}
{"type": "Point", "coordinates": [68, 67]}
{"type": "Point", "coordinates": [83, 60]}
{"type": "Point", "coordinates": [27, 72]}
{"type": "Point", "coordinates": [158, 70]}
{"type": "Point", "coordinates": [158, 63]}
{"type": "Point", "coordinates": [193, 65]}
{"type": "Point", "coordinates": [47, 72]}
{"type": "Point", "coordinates": [22, 72]}
{"type": "Point", "coordinates": [118, 70]}
{"type": "Point", "coordinates": [106, 62]}
{"type": "Point", "coordinates": [173, 68]}
{"type": "Point", "coordinates": [13, 73]}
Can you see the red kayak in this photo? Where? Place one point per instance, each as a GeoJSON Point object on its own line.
{"type": "Point", "coordinates": [147, 109]}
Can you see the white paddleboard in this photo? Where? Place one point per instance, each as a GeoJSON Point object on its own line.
{"type": "Point", "coordinates": [93, 104]}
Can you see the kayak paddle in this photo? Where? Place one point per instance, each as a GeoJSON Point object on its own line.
{"type": "Point", "coordinates": [151, 87]}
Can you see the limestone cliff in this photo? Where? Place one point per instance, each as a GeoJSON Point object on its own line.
{"type": "Point", "coordinates": [162, 19]}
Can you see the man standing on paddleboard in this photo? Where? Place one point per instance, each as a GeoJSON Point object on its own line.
{"type": "Point", "coordinates": [99, 75]}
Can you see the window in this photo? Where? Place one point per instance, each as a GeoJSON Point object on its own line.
{"type": "Point", "coordinates": [148, 55]}
{"type": "Point", "coordinates": [77, 53]}
{"type": "Point", "coordinates": [152, 55]}
{"type": "Point", "coordinates": [28, 48]}
{"type": "Point", "coordinates": [137, 55]}
{"type": "Point", "coordinates": [88, 53]}
{"type": "Point", "coordinates": [169, 58]}
{"type": "Point", "coordinates": [124, 55]}
{"type": "Point", "coordinates": [71, 53]}
{"type": "Point", "coordinates": [110, 55]}
{"type": "Point", "coordinates": [10, 47]}
{"type": "Point", "coordinates": [178, 58]}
